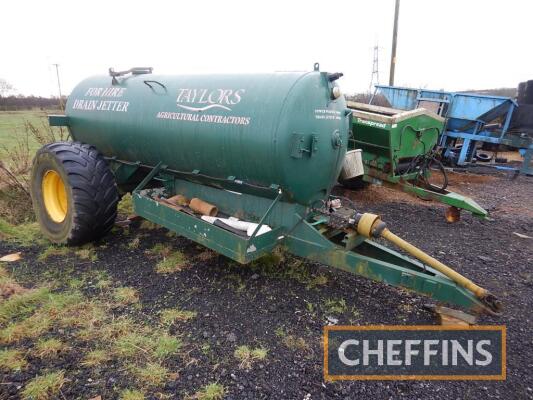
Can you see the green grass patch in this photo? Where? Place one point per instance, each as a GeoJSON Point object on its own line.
{"type": "Point", "coordinates": [171, 234]}
{"type": "Point", "coordinates": [333, 306]}
{"type": "Point", "coordinates": [206, 348]}
{"type": "Point", "coordinates": [248, 356]}
{"type": "Point", "coordinates": [58, 304]}
{"type": "Point", "coordinates": [295, 343]}
{"type": "Point", "coordinates": [49, 348]}
{"type": "Point", "coordinates": [21, 305]}
{"type": "Point", "coordinates": [102, 280]}
{"type": "Point", "coordinates": [132, 344]}
{"type": "Point", "coordinates": [174, 262]}
{"type": "Point", "coordinates": [116, 328]}
{"type": "Point", "coordinates": [280, 265]}
{"type": "Point", "coordinates": [240, 284]}
{"type": "Point", "coordinates": [152, 374]}
{"type": "Point", "coordinates": [95, 358]}
{"type": "Point", "coordinates": [87, 252]}
{"type": "Point", "coordinates": [319, 280]}
{"type": "Point", "coordinates": [33, 315]}
{"type": "Point", "coordinates": [103, 284]}
{"type": "Point", "coordinates": [30, 328]}
{"type": "Point", "coordinates": [76, 283]}
{"type": "Point", "coordinates": [213, 391]}
{"type": "Point", "coordinates": [12, 125]}
{"type": "Point", "coordinates": [147, 344]}
{"type": "Point", "coordinates": [149, 225]}
{"type": "Point", "coordinates": [45, 309]}
{"type": "Point", "coordinates": [130, 394]}
{"type": "Point", "coordinates": [134, 243]}
{"type": "Point", "coordinates": [44, 387]}
{"type": "Point", "coordinates": [166, 345]}
{"type": "Point", "coordinates": [270, 260]}
{"type": "Point", "coordinates": [125, 205]}
{"type": "Point", "coordinates": [161, 249]}
{"type": "Point", "coordinates": [171, 315]}
{"type": "Point", "coordinates": [26, 234]}
{"type": "Point", "coordinates": [6, 279]}
{"type": "Point", "coordinates": [125, 295]}
{"type": "Point", "coordinates": [82, 314]}
{"type": "Point", "coordinates": [12, 360]}
{"type": "Point", "coordinates": [53, 250]}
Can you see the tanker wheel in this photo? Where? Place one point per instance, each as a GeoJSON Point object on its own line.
{"type": "Point", "coordinates": [74, 193]}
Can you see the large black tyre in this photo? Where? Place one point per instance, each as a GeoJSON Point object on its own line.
{"type": "Point", "coordinates": [74, 193]}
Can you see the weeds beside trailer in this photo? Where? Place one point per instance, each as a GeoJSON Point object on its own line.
{"type": "Point", "coordinates": [470, 118]}
{"type": "Point", "coordinates": [264, 149]}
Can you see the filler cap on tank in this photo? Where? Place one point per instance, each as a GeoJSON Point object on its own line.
{"type": "Point", "coordinates": [133, 71]}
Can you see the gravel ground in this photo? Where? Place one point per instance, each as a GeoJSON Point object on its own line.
{"type": "Point", "coordinates": [259, 306]}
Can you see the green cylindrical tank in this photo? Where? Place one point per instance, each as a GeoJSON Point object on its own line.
{"type": "Point", "coordinates": [289, 129]}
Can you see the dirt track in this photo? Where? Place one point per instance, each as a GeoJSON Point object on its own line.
{"type": "Point", "coordinates": [263, 306]}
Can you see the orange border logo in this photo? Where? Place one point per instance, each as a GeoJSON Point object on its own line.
{"type": "Point", "coordinates": [500, 328]}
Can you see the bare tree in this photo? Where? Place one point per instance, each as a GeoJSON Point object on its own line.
{"type": "Point", "coordinates": [5, 87]}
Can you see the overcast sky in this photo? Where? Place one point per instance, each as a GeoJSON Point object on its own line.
{"type": "Point", "coordinates": [442, 44]}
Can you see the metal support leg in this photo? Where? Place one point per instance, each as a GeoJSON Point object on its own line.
{"type": "Point", "coordinates": [464, 152]}
{"type": "Point", "coordinates": [526, 165]}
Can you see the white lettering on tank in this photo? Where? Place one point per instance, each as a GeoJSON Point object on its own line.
{"type": "Point", "coordinates": [205, 118]}
{"type": "Point", "coordinates": [102, 105]}
{"type": "Point", "coordinates": [205, 99]}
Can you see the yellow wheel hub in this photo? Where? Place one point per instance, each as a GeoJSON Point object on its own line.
{"type": "Point", "coordinates": [54, 196]}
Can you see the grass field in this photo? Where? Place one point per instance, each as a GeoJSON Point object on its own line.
{"type": "Point", "coordinates": [12, 126]}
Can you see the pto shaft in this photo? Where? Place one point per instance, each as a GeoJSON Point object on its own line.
{"type": "Point", "coordinates": [434, 263]}
{"type": "Point", "coordinates": [370, 225]}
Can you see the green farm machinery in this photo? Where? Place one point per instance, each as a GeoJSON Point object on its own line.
{"type": "Point", "coordinates": [238, 163]}
{"type": "Point", "coordinates": [398, 151]}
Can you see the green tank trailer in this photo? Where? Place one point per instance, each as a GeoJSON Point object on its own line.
{"type": "Point", "coordinates": [238, 163]}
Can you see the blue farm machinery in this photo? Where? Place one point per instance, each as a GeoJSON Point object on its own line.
{"type": "Point", "coordinates": [238, 163]}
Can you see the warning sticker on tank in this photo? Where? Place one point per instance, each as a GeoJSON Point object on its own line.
{"type": "Point", "coordinates": [324, 113]}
